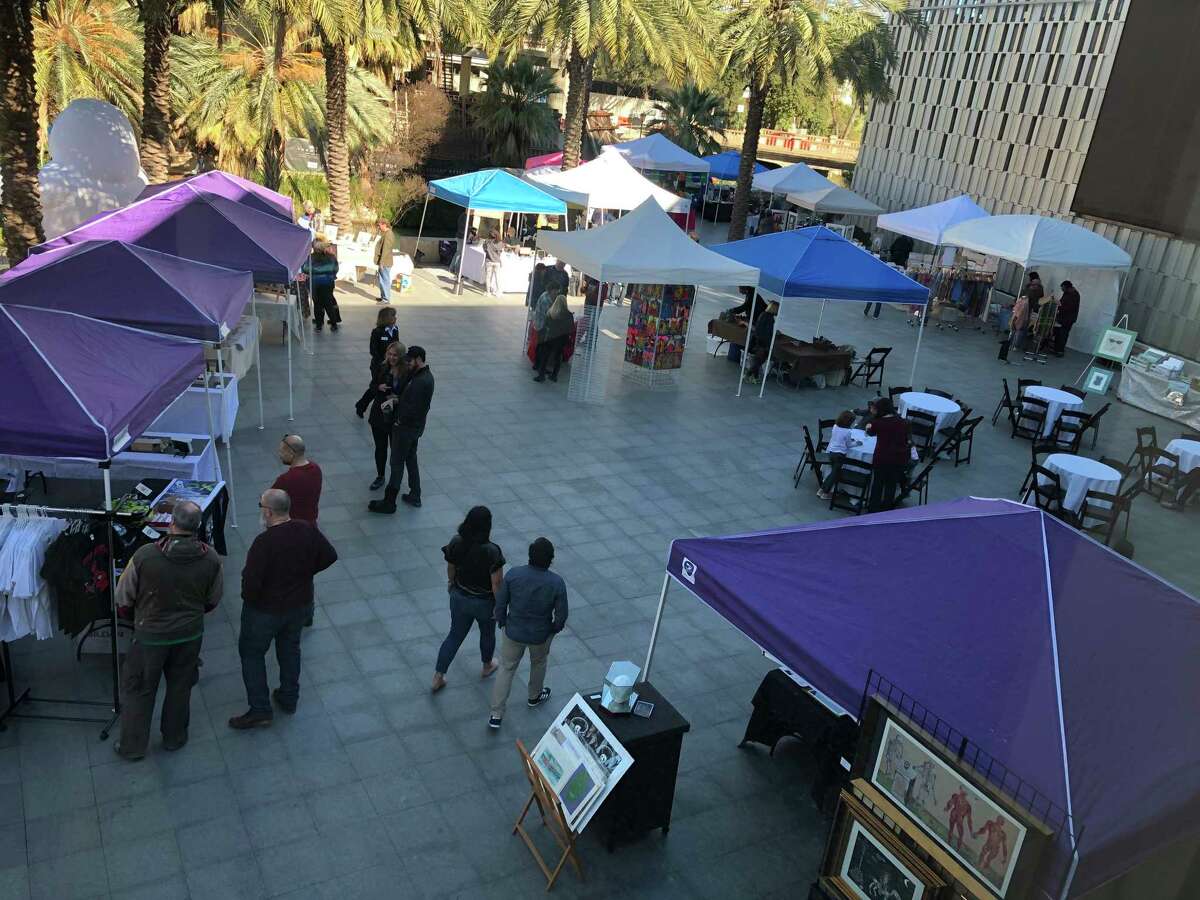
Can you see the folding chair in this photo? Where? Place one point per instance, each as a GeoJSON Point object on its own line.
{"type": "Point", "coordinates": [1102, 511]}
{"type": "Point", "coordinates": [964, 433]}
{"type": "Point", "coordinates": [1046, 489]}
{"type": "Point", "coordinates": [1163, 475]}
{"type": "Point", "coordinates": [1031, 418]}
{"type": "Point", "coordinates": [923, 428]}
{"type": "Point", "coordinates": [937, 392]}
{"type": "Point", "coordinates": [1146, 437]}
{"type": "Point", "coordinates": [824, 433]}
{"type": "Point", "coordinates": [919, 485]}
{"type": "Point", "coordinates": [810, 458]}
{"type": "Point", "coordinates": [894, 392]}
{"type": "Point", "coordinates": [1093, 424]}
{"type": "Point", "coordinates": [950, 430]}
{"type": "Point", "coordinates": [852, 487]}
{"type": "Point", "coordinates": [1068, 430]}
{"type": "Point", "coordinates": [1036, 450]}
{"type": "Point", "coordinates": [1082, 395]}
{"type": "Point", "coordinates": [1005, 405]}
{"type": "Point", "coordinates": [1023, 383]}
{"type": "Point", "coordinates": [870, 368]}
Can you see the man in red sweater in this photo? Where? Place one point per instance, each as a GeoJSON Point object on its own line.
{"type": "Point", "coordinates": [301, 481]}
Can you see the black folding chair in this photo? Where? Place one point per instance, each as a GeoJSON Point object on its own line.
{"type": "Point", "coordinates": [1163, 476]}
{"type": "Point", "coordinates": [1031, 418]}
{"type": "Point", "coordinates": [1005, 405]}
{"type": "Point", "coordinates": [1146, 437]}
{"type": "Point", "coordinates": [824, 433]}
{"type": "Point", "coordinates": [1082, 395]}
{"type": "Point", "coordinates": [1068, 430]}
{"type": "Point", "coordinates": [1036, 450]}
{"type": "Point", "coordinates": [1046, 489]}
{"type": "Point", "coordinates": [919, 484]}
{"type": "Point", "coordinates": [894, 392]}
{"type": "Point", "coordinates": [923, 428]}
{"type": "Point", "coordinates": [810, 458]}
{"type": "Point", "coordinates": [870, 368]}
{"type": "Point", "coordinates": [1093, 424]}
{"type": "Point", "coordinates": [939, 393]}
{"type": "Point", "coordinates": [852, 487]}
{"type": "Point", "coordinates": [964, 435]}
{"type": "Point", "coordinates": [1023, 383]}
{"type": "Point", "coordinates": [1099, 514]}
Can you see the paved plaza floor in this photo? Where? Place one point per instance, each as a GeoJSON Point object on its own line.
{"type": "Point", "coordinates": [378, 789]}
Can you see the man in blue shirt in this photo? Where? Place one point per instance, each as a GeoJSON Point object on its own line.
{"type": "Point", "coordinates": [531, 607]}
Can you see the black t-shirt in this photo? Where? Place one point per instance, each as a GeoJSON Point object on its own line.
{"type": "Point", "coordinates": [473, 565]}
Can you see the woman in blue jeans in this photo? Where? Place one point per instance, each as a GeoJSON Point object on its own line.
{"type": "Point", "coordinates": [474, 571]}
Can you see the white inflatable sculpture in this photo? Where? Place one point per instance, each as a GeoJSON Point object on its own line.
{"type": "Point", "coordinates": [93, 165]}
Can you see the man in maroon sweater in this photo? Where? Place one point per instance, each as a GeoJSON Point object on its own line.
{"type": "Point", "coordinates": [892, 442]}
{"type": "Point", "coordinates": [277, 595]}
{"type": "Point", "coordinates": [301, 481]}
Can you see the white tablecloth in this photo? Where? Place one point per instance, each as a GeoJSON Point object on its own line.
{"type": "Point", "coordinates": [515, 269]}
{"type": "Point", "coordinates": [865, 451]}
{"type": "Point", "coordinates": [237, 350]}
{"type": "Point", "coordinates": [128, 466]}
{"type": "Point", "coordinates": [191, 411]}
{"type": "Point", "coordinates": [1077, 475]}
{"type": "Point", "coordinates": [1058, 400]}
{"type": "Point", "coordinates": [1188, 453]}
{"type": "Point", "coordinates": [272, 308]}
{"type": "Point", "coordinates": [947, 411]}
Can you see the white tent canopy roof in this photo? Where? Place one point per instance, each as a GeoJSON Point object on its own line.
{"type": "Point", "coordinates": [644, 247]}
{"type": "Point", "coordinates": [654, 151]}
{"type": "Point", "coordinates": [834, 199]}
{"type": "Point", "coordinates": [607, 182]}
{"type": "Point", "coordinates": [1037, 241]}
{"type": "Point", "coordinates": [930, 223]}
{"type": "Point", "coordinates": [794, 179]}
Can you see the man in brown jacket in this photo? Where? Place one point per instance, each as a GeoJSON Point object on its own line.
{"type": "Point", "coordinates": [385, 249]}
{"type": "Point", "coordinates": [168, 586]}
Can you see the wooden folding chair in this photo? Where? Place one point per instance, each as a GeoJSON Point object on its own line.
{"type": "Point", "coordinates": [964, 434]}
{"type": "Point", "coordinates": [937, 392]}
{"type": "Point", "coordinates": [1093, 424]}
{"type": "Point", "coordinates": [852, 488]}
{"type": "Point", "coordinates": [1146, 437]}
{"type": "Point", "coordinates": [1099, 514]}
{"type": "Point", "coordinates": [870, 368]}
{"type": "Point", "coordinates": [824, 433]}
{"type": "Point", "coordinates": [894, 392]}
{"type": "Point", "coordinates": [1005, 405]}
{"type": "Point", "coordinates": [1031, 418]}
{"type": "Point", "coordinates": [923, 427]}
{"type": "Point", "coordinates": [1046, 489]}
{"type": "Point", "coordinates": [553, 819]}
{"type": "Point", "coordinates": [1068, 430]}
{"type": "Point", "coordinates": [812, 458]}
{"type": "Point", "coordinates": [1070, 389]}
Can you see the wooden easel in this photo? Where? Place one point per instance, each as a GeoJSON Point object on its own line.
{"type": "Point", "coordinates": [555, 822]}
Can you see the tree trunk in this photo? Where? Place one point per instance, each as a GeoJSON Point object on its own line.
{"type": "Point", "coordinates": [272, 160]}
{"type": "Point", "coordinates": [579, 89]}
{"type": "Point", "coordinates": [158, 24]}
{"type": "Point", "coordinates": [741, 194]}
{"type": "Point", "coordinates": [337, 152]}
{"type": "Point", "coordinates": [20, 199]}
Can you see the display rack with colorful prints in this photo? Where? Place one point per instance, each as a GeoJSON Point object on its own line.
{"type": "Point", "coordinates": [659, 316]}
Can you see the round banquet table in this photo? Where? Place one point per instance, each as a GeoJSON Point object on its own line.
{"type": "Point", "coordinates": [947, 411]}
{"type": "Point", "coordinates": [1078, 475]}
{"type": "Point", "coordinates": [864, 448]}
{"type": "Point", "coordinates": [1058, 400]}
{"type": "Point", "coordinates": [1188, 452]}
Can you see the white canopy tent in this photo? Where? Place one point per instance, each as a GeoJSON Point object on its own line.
{"type": "Point", "coordinates": [644, 247]}
{"type": "Point", "coordinates": [930, 223]}
{"type": "Point", "coordinates": [607, 182]}
{"type": "Point", "coordinates": [654, 151]}
{"type": "Point", "coordinates": [1058, 250]}
{"type": "Point", "coordinates": [813, 191]}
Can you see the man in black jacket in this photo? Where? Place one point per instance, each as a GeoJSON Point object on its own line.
{"type": "Point", "coordinates": [168, 586]}
{"type": "Point", "coordinates": [409, 411]}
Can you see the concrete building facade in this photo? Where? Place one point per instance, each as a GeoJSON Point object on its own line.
{"type": "Point", "coordinates": [999, 100]}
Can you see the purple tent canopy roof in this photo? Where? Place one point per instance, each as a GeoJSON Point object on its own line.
{"type": "Point", "coordinates": [232, 187]}
{"type": "Point", "coordinates": [78, 387]}
{"type": "Point", "coordinates": [130, 285]}
{"type": "Point", "coordinates": [204, 227]}
{"type": "Point", "coordinates": [1074, 668]}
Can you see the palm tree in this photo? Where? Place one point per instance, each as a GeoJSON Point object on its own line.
{"type": "Point", "coordinates": [785, 41]}
{"type": "Point", "coordinates": [160, 20]}
{"type": "Point", "coordinates": [20, 200]}
{"type": "Point", "coordinates": [693, 118]}
{"type": "Point", "coordinates": [430, 23]}
{"type": "Point", "coordinates": [265, 85]}
{"type": "Point", "coordinates": [513, 112]}
{"type": "Point", "coordinates": [87, 48]}
{"type": "Point", "coordinates": [671, 34]}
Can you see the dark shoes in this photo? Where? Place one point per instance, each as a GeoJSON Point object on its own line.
{"type": "Point", "coordinates": [540, 698]}
{"type": "Point", "coordinates": [554, 378]}
{"type": "Point", "coordinates": [174, 745]}
{"type": "Point", "coordinates": [387, 505]}
{"type": "Point", "coordinates": [412, 500]}
{"type": "Point", "coordinates": [132, 757]}
{"type": "Point", "coordinates": [494, 723]}
{"type": "Point", "coordinates": [287, 708]}
{"type": "Point", "coordinates": [333, 326]}
{"type": "Point", "coordinates": [377, 483]}
{"type": "Point", "coordinates": [251, 719]}
{"type": "Point", "coordinates": [540, 378]}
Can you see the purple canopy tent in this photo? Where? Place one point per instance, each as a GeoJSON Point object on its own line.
{"type": "Point", "coordinates": [204, 227]}
{"type": "Point", "coordinates": [1076, 670]}
{"type": "Point", "coordinates": [232, 187]}
{"type": "Point", "coordinates": [129, 285]}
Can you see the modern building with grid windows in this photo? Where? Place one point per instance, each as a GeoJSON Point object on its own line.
{"type": "Point", "coordinates": [1083, 109]}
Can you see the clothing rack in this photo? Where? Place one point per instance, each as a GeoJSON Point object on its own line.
{"type": "Point", "coordinates": [15, 700]}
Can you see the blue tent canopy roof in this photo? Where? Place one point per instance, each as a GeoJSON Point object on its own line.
{"type": "Point", "coordinates": [724, 166]}
{"type": "Point", "coordinates": [817, 264]}
{"type": "Point", "coordinates": [498, 191]}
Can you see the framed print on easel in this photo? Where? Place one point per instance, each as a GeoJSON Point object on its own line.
{"type": "Point", "coordinates": [1115, 344]}
{"type": "Point", "coordinates": [1097, 380]}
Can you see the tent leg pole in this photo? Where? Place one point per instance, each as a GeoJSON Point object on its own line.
{"type": "Point", "coordinates": [420, 231]}
{"type": "Point", "coordinates": [912, 376]}
{"type": "Point", "coordinates": [662, 603]}
{"type": "Point", "coordinates": [762, 380]}
{"type": "Point", "coordinates": [291, 409]}
{"type": "Point", "coordinates": [821, 317]}
{"type": "Point", "coordinates": [212, 431]}
{"type": "Point", "coordinates": [112, 602]}
{"type": "Point", "coordinates": [262, 422]}
{"type": "Point", "coordinates": [746, 349]}
{"type": "Point", "coordinates": [229, 439]}
{"type": "Point", "coordinates": [458, 288]}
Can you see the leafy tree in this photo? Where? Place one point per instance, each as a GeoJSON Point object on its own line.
{"type": "Point", "coordinates": [20, 199]}
{"type": "Point", "coordinates": [160, 20]}
{"type": "Point", "coordinates": [693, 118]}
{"type": "Point", "coordinates": [513, 113]}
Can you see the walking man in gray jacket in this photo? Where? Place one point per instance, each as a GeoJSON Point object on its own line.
{"type": "Point", "coordinates": [531, 607]}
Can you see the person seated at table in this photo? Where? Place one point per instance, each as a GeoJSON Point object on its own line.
{"type": "Point", "coordinates": [865, 415]}
{"type": "Point", "coordinates": [1191, 483]}
{"type": "Point", "coordinates": [750, 296]}
{"type": "Point", "coordinates": [892, 456]}
{"type": "Point", "coordinates": [760, 340]}
{"type": "Point", "coordinates": [841, 441]}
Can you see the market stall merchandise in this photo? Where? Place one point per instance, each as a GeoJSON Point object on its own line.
{"type": "Point", "coordinates": [232, 187]}
{"type": "Point", "coordinates": [1146, 382]}
{"type": "Point", "coordinates": [1050, 671]}
{"type": "Point", "coordinates": [515, 268]}
{"type": "Point", "coordinates": [815, 263]}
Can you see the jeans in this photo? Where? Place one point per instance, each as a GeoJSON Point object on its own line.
{"type": "Point", "coordinates": [258, 630]}
{"type": "Point", "coordinates": [835, 466]}
{"type": "Point", "coordinates": [144, 666]}
{"type": "Point", "coordinates": [885, 481]}
{"type": "Point", "coordinates": [1061, 334]}
{"type": "Point", "coordinates": [385, 283]}
{"type": "Point", "coordinates": [464, 611]}
{"type": "Point", "coordinates": [491, 278]}
{"type": "Point", "coordinates": [404, 456]}
{"type": "Point", "coordinates": [383, 437]}
{"type": "Point", "coordinates": [510, 657]}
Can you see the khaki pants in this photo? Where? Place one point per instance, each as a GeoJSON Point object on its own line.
{"type": "Point", "coordinates": [510, 657]}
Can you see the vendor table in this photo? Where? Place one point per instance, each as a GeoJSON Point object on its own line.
{"type": "Point", "coordinates": [190, 413]}
{"type": "Point", "coordinates": [1155, 391]}
{"type": "Point", "coordinates": [643, 798]}
{"type": "Point", "coordinates": [800, 358]}
{"type": "Point", "coordinates": [199, 465]}
{"type": "Point", "coordinates": [947, 411]}
{"type": "Point", "coordinates": [1078, 475]}
{"type": "Point", "coordinates": [1058, 400]}
{"type": "Point", "coordinates": [272, 308]}
{"type": "Point", "coordinates": [785, 707]}
{"type": "Point", "coordinates": [515, 269]}
{"type": "Point", "coordinates": [1188, 452]}
{"type": "Point", "coordinates": [237, 350]}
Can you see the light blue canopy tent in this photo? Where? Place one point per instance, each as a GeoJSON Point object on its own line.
{"type": "Point", "coordinates": [815, 263]}
{"type": "Point", "coordinates": [724, 166]}
{"type": "Point", "coordinates": [493, 190]}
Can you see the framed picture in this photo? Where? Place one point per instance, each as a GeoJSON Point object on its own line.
{"type": "Point", "coordinates": [1097, 380]}
{"type": "Point", "coordinates": [1115, 344]}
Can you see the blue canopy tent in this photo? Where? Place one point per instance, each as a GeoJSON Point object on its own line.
{"type": "Point", "coordinates": [494, 190]}
{"type": "Point", "coordinates": [1074, 671]}
{"type": "Point", "coordinates": [724, 166]}
{"type": "Point", "coordinates": [815, 263]}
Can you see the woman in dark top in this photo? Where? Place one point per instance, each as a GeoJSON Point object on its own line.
{"type": "Point", "coordinates": [387, 377]}
{"type": "Point", "coordinates": [475, 570]}
{"type": "Point", "coordinates": [891, 454]}
{"type": "Point", "coordinates": [383, 335]}
{"type": "Point", "coordinates": [760, 340]}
